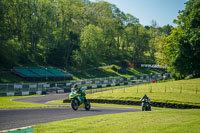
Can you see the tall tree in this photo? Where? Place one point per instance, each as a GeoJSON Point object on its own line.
{"type": "Point", "coordinates": [91, 46]}
{"type": "Point", "coordinates": [182, 47]}
{"type": "Point", "coordinates": [57, 33]}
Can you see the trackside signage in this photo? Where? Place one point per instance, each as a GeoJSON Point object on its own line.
{"type": "Point", "coordinates": [33, 86]}
{"type": "Point", "coordinates": [17, 86]}
{"type": "Point", "coordinates": [153, 66]}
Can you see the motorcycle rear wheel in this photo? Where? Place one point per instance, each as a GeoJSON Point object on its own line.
{"type": "Point", "coordinates": [149, 108]}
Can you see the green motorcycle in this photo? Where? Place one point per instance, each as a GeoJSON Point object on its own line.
{"type": "Point", "coordinates": [78, 101]}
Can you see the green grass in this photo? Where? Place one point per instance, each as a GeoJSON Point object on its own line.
{"type": "Point", "coordinates": [107, 71]}
{"type": "Point", "coordinates": [158, 94]}
{"type": "Point", "coordinates": [7, 103]}
{"type": "Point", "coordinates": [180, 92]}
{"type": "Point", "coordinates": [101, 72]}
{"type": "Point", "coordinates": [8, 77]}
{"type": "Point", "coordinates": [162, 121]}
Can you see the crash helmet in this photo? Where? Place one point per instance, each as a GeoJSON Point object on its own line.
{"type": "Point", "coordinates": [145, 96]}
{"type": "Point", "coordinates": [75, 87]}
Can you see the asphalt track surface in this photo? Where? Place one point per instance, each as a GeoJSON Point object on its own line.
{"type": "Point", "coordinates": [16, 118]}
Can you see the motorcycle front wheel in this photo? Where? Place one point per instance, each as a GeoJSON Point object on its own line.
{"type": "Point", "coordinates": [74, 104]}
{"type": "Point", "coordinates": [143, 108]}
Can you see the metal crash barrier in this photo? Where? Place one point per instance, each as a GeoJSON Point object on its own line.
{"type": "Point", "coordinates": [43, 88]}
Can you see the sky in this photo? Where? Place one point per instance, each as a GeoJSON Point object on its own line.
{"type": "Point", "coordinates": [162, 11]}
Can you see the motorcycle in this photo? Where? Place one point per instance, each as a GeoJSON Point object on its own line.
{"type": "Point", "coordinates": [146, 106]}
{"type": "Point", "coordinates": [78, 101]}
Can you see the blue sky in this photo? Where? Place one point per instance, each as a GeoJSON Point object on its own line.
{"type": "Point", "coordinates": [163, 11]}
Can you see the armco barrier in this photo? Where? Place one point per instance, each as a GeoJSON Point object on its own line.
{"type": "Point", "coordinates": [10, 93]}
{"type": "Point", "coordinates": [154, 104]}
{"type": "Point", "coordinates": [32, 88]}
{"type": "Point", "coordinates": [31, 91]}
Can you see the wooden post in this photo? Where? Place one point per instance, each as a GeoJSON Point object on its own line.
{"type": "Point", "coordinates": [181, 89]}
{"type": "Point", "coordinates": [150, 89]}
{"type": "Point", "coordinates": [196, 90]}
{"type": "Point", "coordinates": [7, 88]}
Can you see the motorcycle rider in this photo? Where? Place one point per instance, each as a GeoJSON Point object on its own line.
{"type": "Point", "coordinates": [80, 91]}
{"type": "Point", "coordinates": [145, 103]}
{"type": "Point", "coordinates": [145, 97]}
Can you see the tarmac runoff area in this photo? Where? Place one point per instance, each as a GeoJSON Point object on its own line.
{"type": "Point", "coordinates": [17, 118]}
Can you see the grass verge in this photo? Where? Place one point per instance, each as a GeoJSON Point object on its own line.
{"type": "Point", "coordinates": [162, 121]}
{"type": "Point", "coordinates": [179, 92]}
{"type": "Point", "coordinates": [101, 72]}
{"type": "Point", "coordinates": [113, 71]}
{"type": "Point", "coordinates": [7, 103]}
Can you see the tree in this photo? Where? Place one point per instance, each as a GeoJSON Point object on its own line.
{"type": "Point", "coordinates": [63, 32]}
{"type": "Point", "coordinates": [109, 18]}
{"type": "Point", "coordinates": [166, 29]}
{"type": "Point", "coordinates": [66, 32]}
{"type": "Point", "coordinates": [182, 47]}
{"type": "Point", "coordinates": [91, 47]}
{"type": "Point", "coordinates": [137, 42]}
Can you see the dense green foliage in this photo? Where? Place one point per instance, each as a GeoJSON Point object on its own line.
{"type": "Point", "coordinates": [182, 47]}
{"type": "Point", "coordinates": [76, 33]}
{"type": "Point", "coordinates": [81, 34]}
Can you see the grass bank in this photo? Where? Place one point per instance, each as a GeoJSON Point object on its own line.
{"type": "Point", "coordinates": [113, 71]}
{"type": "Point", "coordinates": [100, 72]}
{"type": "Point", "coordinates": [162, 121]}
{"type": "Point", "coordinates": [180, 92]}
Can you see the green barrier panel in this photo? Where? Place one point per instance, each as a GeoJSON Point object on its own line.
{"type": "Point", "coordinates": [27, 130]}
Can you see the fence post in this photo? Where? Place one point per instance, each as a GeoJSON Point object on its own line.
{"type": "Point", "coordinates": [196, 90]}
{"type": "Point", "coordinates": [29, 89]}
{"type": "Point", "coordinates": [7, 88]}
{"type": "Point", "coordinates": [13, 88]}
{"type": "Point", "coordinates": [150, 89]}
{"type": "Point", "coordinates": [181, 89]}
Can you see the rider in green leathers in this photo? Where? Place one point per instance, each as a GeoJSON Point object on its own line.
{"type": "Point", "coordinates": [80, 91]}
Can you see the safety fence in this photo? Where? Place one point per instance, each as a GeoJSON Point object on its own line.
{"type": "Point", "coordinates": [164, 88]}
{"type": "Point", "coordinates": [43, 88]}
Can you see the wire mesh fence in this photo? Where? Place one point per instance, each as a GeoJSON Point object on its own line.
{"type": "Point", "coordinates": [157, 88]}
